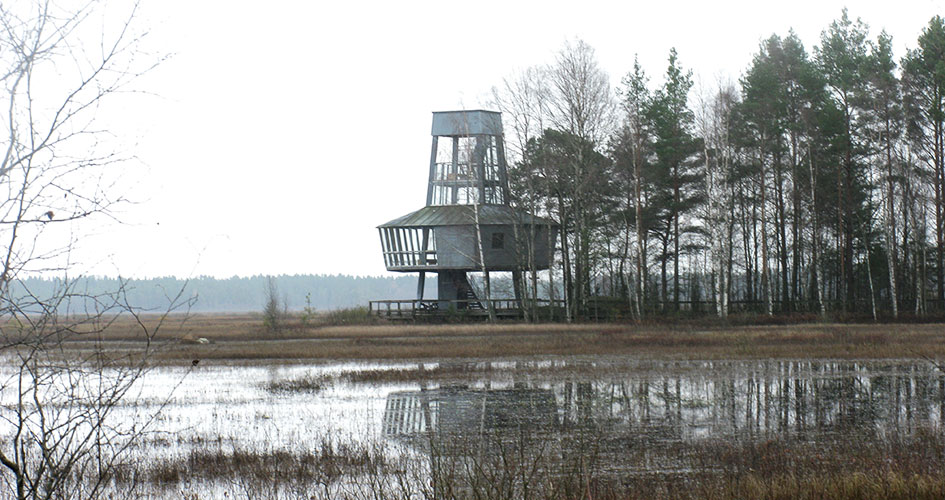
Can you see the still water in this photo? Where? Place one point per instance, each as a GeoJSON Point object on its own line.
{"type": "Point", "coordinates": [266, 408]}
{"type": "Point", "coordinates": [628, 419]}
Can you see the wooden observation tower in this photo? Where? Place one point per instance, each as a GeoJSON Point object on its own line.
{"type": "Point", "coordinates": [467, 224]}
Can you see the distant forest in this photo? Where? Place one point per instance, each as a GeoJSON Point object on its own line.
{"type": "Point", "coordinates": [236, 294]}
{"type": "Point", "coordinates": [815, 183]}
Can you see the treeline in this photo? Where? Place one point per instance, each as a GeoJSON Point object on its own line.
{"type": "Point", "coordinates": [815, 183]}
{"type": "Point", "coordinates": [207, 294]}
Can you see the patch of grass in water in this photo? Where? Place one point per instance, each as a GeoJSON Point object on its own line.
{"type": "Point", "coordinates": [327, 463]}
{"type": "Point", "coordinates": [302, 384]}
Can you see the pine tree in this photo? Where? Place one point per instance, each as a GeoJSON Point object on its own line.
{"type": "Point", "coordinates": [676, 149]}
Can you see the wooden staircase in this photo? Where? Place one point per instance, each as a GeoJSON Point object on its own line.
{"type": "Point", "coordinates": [464, 291]}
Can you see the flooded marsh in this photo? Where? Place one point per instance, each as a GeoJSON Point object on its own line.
{"type": "Point", "coordinates": [553, 427]}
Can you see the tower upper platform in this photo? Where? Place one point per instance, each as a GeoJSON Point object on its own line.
{"type": "Point", "coordinates": [467, 123]}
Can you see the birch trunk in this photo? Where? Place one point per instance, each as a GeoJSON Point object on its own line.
{"type": "Point", "coordinates": [815, 237]}
{"type": "Point", "coordinates": [641, 254]}
{"type": "Point", "coordinates": [482, 265]}
{"type": "Point", "coordinates": [765, 283]}
{"type": "Point", "coordinates": [869, 276]}
{"type": "Point", "coordinates": [891, 228]}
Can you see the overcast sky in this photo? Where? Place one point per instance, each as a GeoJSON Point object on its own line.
{"type": "Point", "coordinates": [280, 133]}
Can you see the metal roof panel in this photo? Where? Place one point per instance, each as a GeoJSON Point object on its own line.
{"type": "Point", "coordinates": [461, 215]}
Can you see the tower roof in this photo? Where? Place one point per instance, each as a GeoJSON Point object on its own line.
{"type": "Point", "coordinates": [462, 215]}
{"type": "Point", "coordinates": [467, 123]}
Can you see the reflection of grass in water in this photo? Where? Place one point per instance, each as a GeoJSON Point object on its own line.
{"type": "Point", "coordinates": [300, 384]}
{"type": "Point", "coordinates": [313, 384]}
{"type": "Point", "coordinates": [431, 373]}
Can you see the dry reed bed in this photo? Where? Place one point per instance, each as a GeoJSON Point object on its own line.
{"type": "Point", "coordinates": [584, 463]}
{"type": "Point", "coordinates": [312, 467]}
{"type": "Point", "coordinates": [250, 327]}
{"type": "Point", "coordinates": [482, 341]}
{"type": "Point", "coordinates": [241, 337]}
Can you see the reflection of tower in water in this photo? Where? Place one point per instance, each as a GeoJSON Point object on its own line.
{"type": "Point", "coordinates": [672, 401]}
{"type": "Point", "coordinates": [467, 412]}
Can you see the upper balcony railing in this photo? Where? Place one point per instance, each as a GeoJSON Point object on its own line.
{"type": "Point", "coordinates": [410, 260]}
{"type": "Point", "coordinates": [459, 184]}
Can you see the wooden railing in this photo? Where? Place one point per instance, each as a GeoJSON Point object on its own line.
{"type": "Point", "coordinates": [411, 309]}
{"type": "Point", "coordinates": [604, 308]}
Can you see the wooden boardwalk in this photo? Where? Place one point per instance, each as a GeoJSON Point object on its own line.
{"type": "Point", "coordinates": [412, 310]}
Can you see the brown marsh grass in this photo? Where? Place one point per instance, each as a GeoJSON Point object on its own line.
{"type": "Point", "coordinates": [326, 464]}
{"type": "Point", "coordinates": [242, 337]}
{"type": "Point", "coordinates": [588, 463]}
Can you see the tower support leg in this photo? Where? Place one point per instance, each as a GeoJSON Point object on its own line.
{"type": "Point", "coordinates": [517, 286]}
{"type": "Point", "coordinates": [420, 283]}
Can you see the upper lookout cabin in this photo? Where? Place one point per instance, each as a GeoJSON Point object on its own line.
{"type": "Point", "coordinates": [467, 164]}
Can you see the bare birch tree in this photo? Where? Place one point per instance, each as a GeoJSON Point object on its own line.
{"type": "Point", "coordinates": [522, 100]}
{"type": "Point", "coordinates": [715, 121]}
{"type": "Point", "coordinates": [581, 104]}
{"type": "Point", "coordinates": [59, 67]}
{"type": "Point", "coordinates": [636, 101]}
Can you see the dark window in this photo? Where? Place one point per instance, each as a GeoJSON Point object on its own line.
{"type": "Point", "coordinates": [498, 240]}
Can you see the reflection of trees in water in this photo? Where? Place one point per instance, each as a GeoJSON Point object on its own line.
{"type": "Point", "coordinates": [663, 423]}
{"type": "Point", "coordinates": [760, 398]}
{"type": "Point", "coordinates": [682, 401]}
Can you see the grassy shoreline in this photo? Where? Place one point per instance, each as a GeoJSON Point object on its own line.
{"type": "Point", "coordinates": [241, 337]}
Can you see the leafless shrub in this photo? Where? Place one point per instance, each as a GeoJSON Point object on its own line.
{"type": "Point", "coordinates": [274, 310]}
{"type": "Point", "coordinates": [59, 65]}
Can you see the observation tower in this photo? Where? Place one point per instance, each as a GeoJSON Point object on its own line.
{"type": "Point", "coordinates": [467, 224]}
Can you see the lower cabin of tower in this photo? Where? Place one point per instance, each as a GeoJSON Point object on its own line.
{"type": "Point", "coordinates": [456, 248]}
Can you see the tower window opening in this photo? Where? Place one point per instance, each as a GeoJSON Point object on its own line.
{"type": "Point", "coordinates": [498, 241]}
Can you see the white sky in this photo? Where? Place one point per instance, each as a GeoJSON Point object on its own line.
{"type": "Point", "coordinates": [282, 132]}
